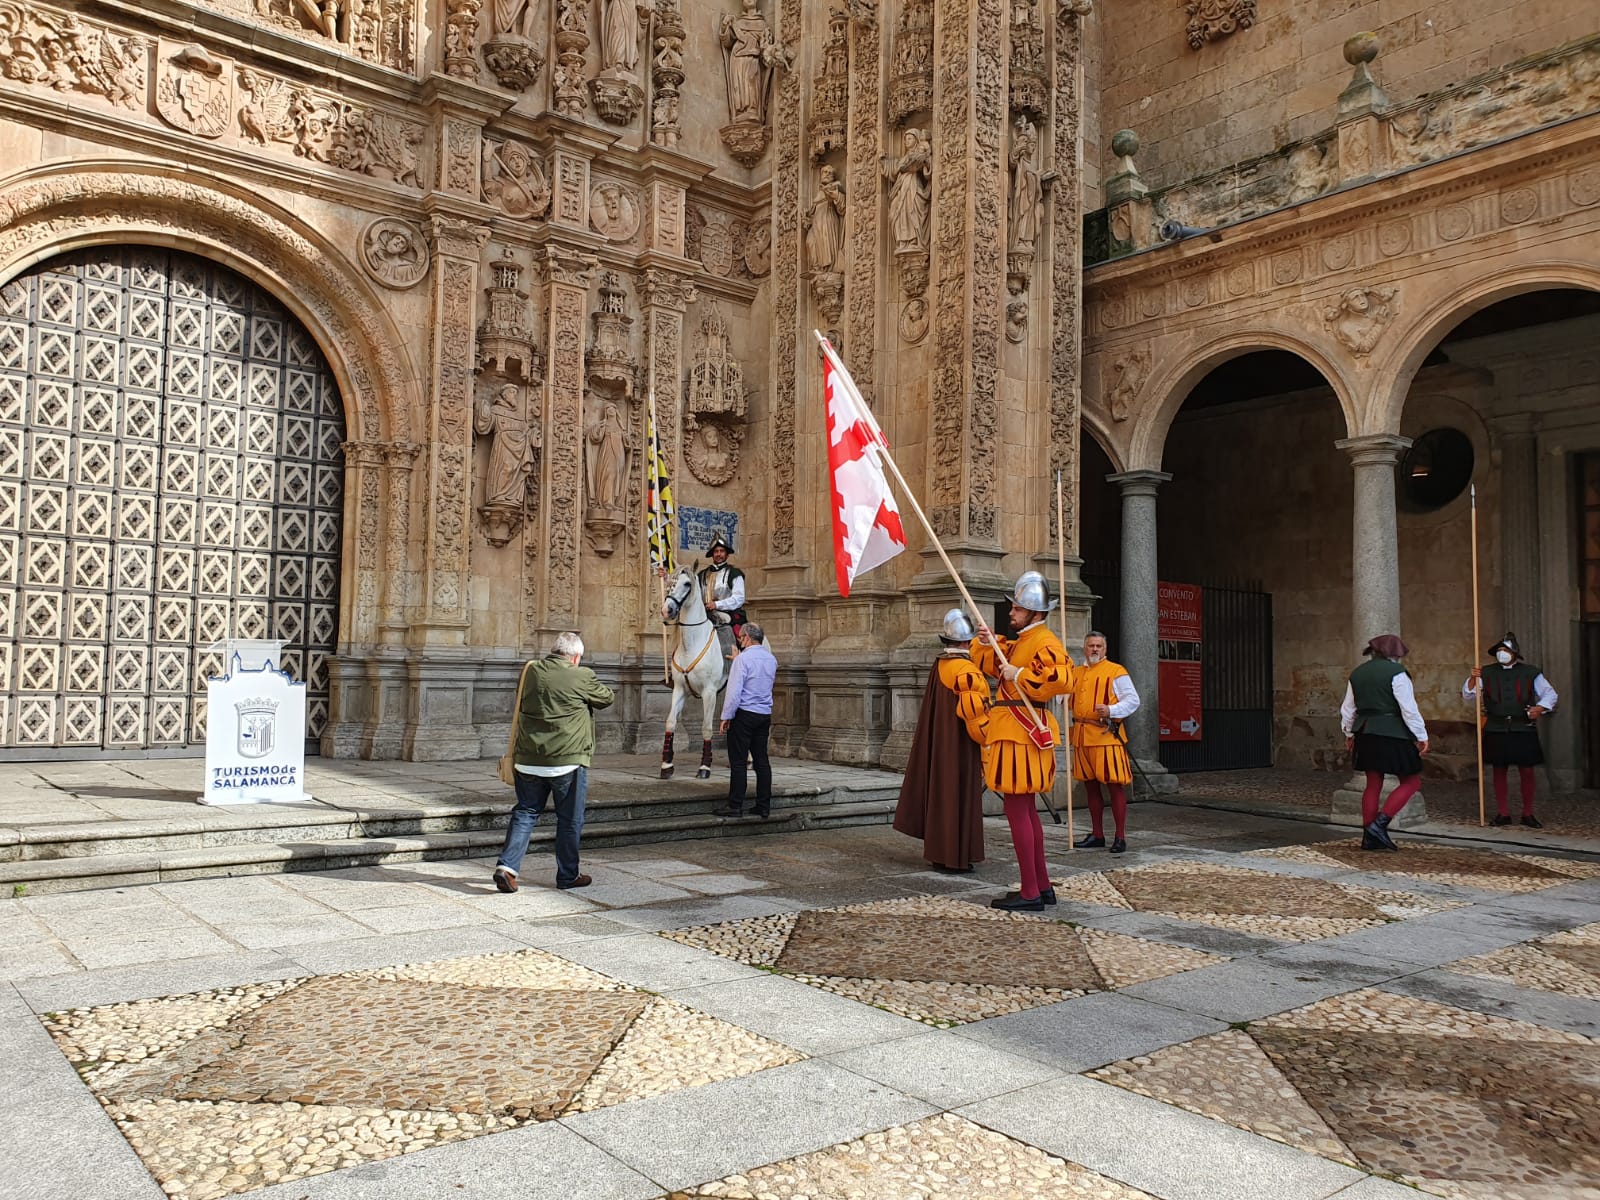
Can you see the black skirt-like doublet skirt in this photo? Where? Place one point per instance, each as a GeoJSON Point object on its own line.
{"type": "Point", "coordinates": [1386, 755]}
{"type": "Point", "coordinates": [1519, 748]}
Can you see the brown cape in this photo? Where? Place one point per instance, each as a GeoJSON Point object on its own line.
{"type": "Point", "coordinates": [941, 800]}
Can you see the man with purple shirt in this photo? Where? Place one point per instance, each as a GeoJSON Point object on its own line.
{"type": "Point", "coordinates": [747, 720]}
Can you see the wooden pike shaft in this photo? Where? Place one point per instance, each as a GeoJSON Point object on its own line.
{"type": "Point", "coordinates": [1476, 642]}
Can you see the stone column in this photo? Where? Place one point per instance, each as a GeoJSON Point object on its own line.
{"type": "Point", "coordinates": [1518, 445]}
{"type": "Point", "coordinates": [1374, 584]}
{"type": "Point", "coordinates": [1375, 553]}
{"type": "Point", "coordinates": [567, 277]}
{"type": "Point", "coordinates": [399, 457]}
{"type": "Point", "coordinates": [1140, 611]}
{"type": "Point", "coordinates": [341, 736]}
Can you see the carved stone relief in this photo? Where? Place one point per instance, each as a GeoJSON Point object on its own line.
{"type": "Point", "coordinates": [57, 50]}
{"type": "Point", "coordinates": [757, 252]}
{"type": "Point", "coordinates": [1210, 20]}
{"type": "Point", "coordinates": [502, 416]}
{"type": "Point", "coordinates": [379, 31]}
{"type": "Point", "coordinates": [512, 54]}
{"type": "Point", "coordinates": [506, 348]}
{"type": "Point", "coordinates": [1066, 280]}
{"type": "Point", "coordinates": [1025, 207]}
{"type": "Point", "coordinates": [714, 411]}
{"type": "Point", "coordinates": [606, 476]}
{"type": "Point", "coordinates": [1127, 375]}
{"type": "Point", "coordinates": [911, 85]}
{"type": "Point", "coordinates": [611, 363]}
{"type": "Point", "coordinates": [572, 40]}
{"type": "Point", "coordinates": [830, 89]}
{"type": "Point", "coordinates": [861, 268]}
{"type": "Point", "coordinates": [667, 73]}
{"type": "Point", "coordinates": [786, 266]}
{"type": "Point", "coordinates": [394, 252]}
{"type": "Point", "coordinates": [750, 54]}
{"type": "Point", "coordinates": [1030, 90]}
{"type": "Point", "coordinates": [1358, 317]}
{"type": "Point", "coordinates": [194, 90]}
{"type": "Point", "coordinates": [614, 211]}
{"type": "Point", "coordinates": [460, 37]}
{"type": "Point", "coordinates": [515, 180]}
{"type": "Point", "coordinates": [568, 278]}
{"type": "Point", "coordinates": [617, 94]}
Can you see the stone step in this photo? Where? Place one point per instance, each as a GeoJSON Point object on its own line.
{"type": "Point", "coordinates": [83, 872]}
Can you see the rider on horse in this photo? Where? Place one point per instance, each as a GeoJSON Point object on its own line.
{"type": "Point", "coordinates": [722, 584]}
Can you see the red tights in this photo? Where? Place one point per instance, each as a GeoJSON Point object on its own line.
{"type": "Point", "coordinates": [1408, 787]}
{"type": "Point", "coordinates": [1027, 835]}
{"type": "Point", "coordinates": [1524, 780]}
{"type": "Point", "coordinates": [1097, 807]}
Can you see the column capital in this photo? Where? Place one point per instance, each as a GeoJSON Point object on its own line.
{"type": "Point", "coordinates": [1374, 449]}
{"type": "Point", "coordinates": [1139, 483]}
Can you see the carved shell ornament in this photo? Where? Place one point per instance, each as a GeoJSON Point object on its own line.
{"type": "Point", "coordinates": [394, 253]}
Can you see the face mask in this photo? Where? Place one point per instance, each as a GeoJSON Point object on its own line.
{"type": "Point", "coordinates": [1504, 657]}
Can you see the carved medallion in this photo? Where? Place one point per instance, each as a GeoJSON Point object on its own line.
{"type": "Point", "coordinates": [1337, 252]}
{"type": "Point", "coordinates": [758, 248]}
{"type": "Point", "coordinates": [914, 320]}
{"type": "Point", "coordinates": [1359, 316]}
{"type": "Point", "coordinates": [614, 211]}
{"type": "Point", "coordinates": [1286, 267]}
{"type": "Point", "coordinates": [1583, 186]}
{"type": "Point", "coordinates": [1453, 222]}
{"type": "Point", "coordinates": [1394, 237]}
{"type": "Point", "coordinates": [1239, 279]}
{"type": "Point", "coordinates": [394, 253]}
{"type": "Point", "coordinates": [716, 244]}
{"type": "Point", "coordinates": [711, 452]}
{"type": "Point", "coordinates": [1519, 205]}
{"type": "Point", "coordinates": [195, 90]}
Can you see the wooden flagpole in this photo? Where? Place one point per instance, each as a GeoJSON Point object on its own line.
{"type": "Point", "coordinates": [1477, 641]}
{"type": "Point", "coordinates": [911, 499]}
{"type": "Point", "coordinates": [1066, 700]}
{"type": "Point", "coordinates": [653, 457]}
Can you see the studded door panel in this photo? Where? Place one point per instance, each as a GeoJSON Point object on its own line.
{"type": "Point", "coordinates": [170, 475]}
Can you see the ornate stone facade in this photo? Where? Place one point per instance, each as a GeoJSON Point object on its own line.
{"type": "Point", "coordinates": [511, 229]}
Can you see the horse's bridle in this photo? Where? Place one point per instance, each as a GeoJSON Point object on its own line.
{"type": "Point", "coordinates": [677, 611]}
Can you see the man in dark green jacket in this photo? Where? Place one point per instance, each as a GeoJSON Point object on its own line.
{"type": "Point", "coordinates": [554, 743]}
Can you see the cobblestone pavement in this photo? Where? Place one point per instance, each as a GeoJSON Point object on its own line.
{"type": "Point", "coordinates": [1240, 1008]}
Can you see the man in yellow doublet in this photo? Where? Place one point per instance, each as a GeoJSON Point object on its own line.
{"type": "Point", "coordinates": [1102, 694]}
{"type": "Point", "coordinates": [1014, 763]}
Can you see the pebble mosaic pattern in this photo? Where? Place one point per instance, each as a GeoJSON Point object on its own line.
{"type": "Point", "coordinates": [940, 961]}
{"type": "Point", "coordinates": [1488, 869]}
{"type": "Point", "coordinates": [1455, 1102]}
{"type": "Point", "coordinates": [1567, 962]}
{"type": "Point", "coordinates": [225, 1091]}
{"type": "Point", "coordinates": [940, 1158]}
{"type": "Point", "coordinates": [1256, 902]}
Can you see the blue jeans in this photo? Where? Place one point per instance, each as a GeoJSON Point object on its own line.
{"type": "Point", "coordinates": [533, 793]}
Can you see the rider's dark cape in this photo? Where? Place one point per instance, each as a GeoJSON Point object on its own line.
{"type": "Point", "coordinates": [941, 800]}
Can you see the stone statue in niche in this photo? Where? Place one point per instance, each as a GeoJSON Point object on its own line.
{"type": "Point", "coordinates": [1358, 317]}
{"type": "Point", "coordinates": [619, 33]}
{"type": "Point", "coordinates": [749, 55]}
{"type": "Point", "coordinates": [503, 415]}
{"type": "Point", "coordinates": [516, 17]}
{"type": "Point", "coordinates": [514, 179]}
{"type": "Point", "coordinates": [909, 191]}
{"type": "Point", "coordinates": [1025, 211]}
{"type": "Point", "coordinates": [512, 54]}
{"type": "Point", "coordinates": [607, 460]}
{"type": "Point", "coordinates": [825, 222]}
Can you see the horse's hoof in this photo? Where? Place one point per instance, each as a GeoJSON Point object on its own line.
{"type": "Point", "coordinates": [703, 773]}
{"type": "Point", "coordinates": [666, 772]}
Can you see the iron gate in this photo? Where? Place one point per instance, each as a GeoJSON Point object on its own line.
{"type": "Point", "coordinates": [170, 475]}
{"type": "Point", "coordinates": [1236, 672]}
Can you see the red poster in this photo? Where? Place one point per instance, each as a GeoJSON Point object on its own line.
{"type": "Point", "coordinates": [1178, 631]}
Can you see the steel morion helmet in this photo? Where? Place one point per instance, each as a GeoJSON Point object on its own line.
{"type": "Point", "coordinates": [1031, 593]}
{"type": "Point", "coordinates": [957, 628]}
{"type": "Point", "coordinates": [719, 539]}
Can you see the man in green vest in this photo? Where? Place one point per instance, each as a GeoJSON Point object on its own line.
{"type": "Point", "coordinates": [551, 749]}
{"type": "Point", "coordinates": [1385, 735]}
{"type": "Point", "coordinates": [1515, 695]}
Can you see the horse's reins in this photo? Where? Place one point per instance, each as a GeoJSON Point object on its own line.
{"type": "Point", "coordinates": [711, 641]}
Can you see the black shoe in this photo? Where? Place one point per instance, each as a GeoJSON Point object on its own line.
{"type": "Point", "coordinates": [1048, 895]}
{"type": "Point", "coordinates": [1531, 821]}
{"type": "Point", "coordinates": [944, 870]}
{"type": "Point", "coordinates": [1089, 841]}
{"type": "Point", "coordinates": [1119, 846]}
{"type": "Point", "coordinates": [1378, 831]}
{"type": "Point", "coordinates": [728, 810]}
{"type": "Point", "coordinates": [1368, 842]}
{"type": "Point", "coordinates": [1501, 819]}
{"type": "Point", "coordinates": [1013, 902]}
{"type": "Point", "coordinates": [761, 814]}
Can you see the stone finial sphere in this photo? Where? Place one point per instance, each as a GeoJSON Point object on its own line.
{"type": "Point", "coordinates": [1125, 143]}
{"type": "Point", "coordinates": [1362, 48]}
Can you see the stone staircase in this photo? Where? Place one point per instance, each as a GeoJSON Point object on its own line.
{"type": "Point", "coordinates": [39, 858]}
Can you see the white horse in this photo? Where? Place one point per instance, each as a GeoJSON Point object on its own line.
{"type": "Point", "coordinates": [697, 666]}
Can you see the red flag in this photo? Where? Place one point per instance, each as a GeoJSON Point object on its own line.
{"type": "Point", "coordinates": [866, 522]}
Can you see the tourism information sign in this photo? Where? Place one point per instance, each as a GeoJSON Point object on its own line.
{"type": "Point", "coordinates": [1178, 666]}
{"type": "Point", "coordinates": [255, 736]}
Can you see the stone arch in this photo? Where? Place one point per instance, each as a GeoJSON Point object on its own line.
{"type": "Point", "coordinates": [1417, 338]}
{"type": "Point", "coordinates": [53, 209]}
{"type": "Point", "coordinates": [1187, 366]}
{"type": "Point", "coordinates": [1104, 437]}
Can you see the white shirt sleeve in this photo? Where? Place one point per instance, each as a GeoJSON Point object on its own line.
{"type": "Point", "coordinates": [1543, 694]}
{"type": "Point", "coordinates": [1467, 692]}
{"type": "Point", "coordinates": [1407, 696]}
{"type": "Point", "coordinates": [1347, 711]}
{"type": "Point", "coordinates": [1127, 699]}
{"type": "Point", "coordinates": [735, 597]}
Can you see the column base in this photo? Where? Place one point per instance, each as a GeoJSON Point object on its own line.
{"type": "Point", "coordinates": [1152, 780]}
{"type": "Point", "coordinates": [1345, 808]}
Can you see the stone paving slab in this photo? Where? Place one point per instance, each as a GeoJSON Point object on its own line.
{"type": "Point", "coordinates": [811, 1020]}
{"type": "Point", "coordinates": [945, 1068]}
{"type": "Point", "coordinates": [763, 1118]}
{"type": "Point", "coordinates": [1243, 991]}
{"type": "Point", "coordinates": [1502, 998]}
{"type": "Point", "coordinates": [1079, 1034]}
{"type": "Point", "coordinates": [1156, 1148]}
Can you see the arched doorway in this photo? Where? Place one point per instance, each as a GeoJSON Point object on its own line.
{"type": "Point", "coordinates": [170, 475]}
